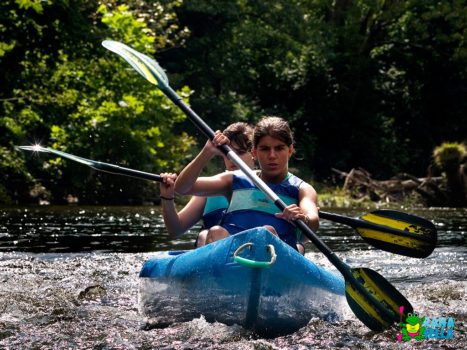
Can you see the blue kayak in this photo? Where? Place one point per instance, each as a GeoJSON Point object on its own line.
{"type": "Point", "coordinates": [252, 279]}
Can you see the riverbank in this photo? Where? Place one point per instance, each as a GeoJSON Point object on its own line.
{"type": "Point", "coordinates": [340, 198]}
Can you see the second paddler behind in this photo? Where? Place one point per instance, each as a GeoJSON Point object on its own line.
{"type": "Point", "coordinates": [248, 206]}
{"type": "Point", "coordinates": [209, 210]}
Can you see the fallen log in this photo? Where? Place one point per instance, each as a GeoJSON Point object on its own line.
{"type": "Point", "coordinates": [359, 184]}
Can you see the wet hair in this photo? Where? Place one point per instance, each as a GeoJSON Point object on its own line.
{"type": "Point", "coordinates": [240, 133]}
{"type": "Point", "coordinates": [275, 127]}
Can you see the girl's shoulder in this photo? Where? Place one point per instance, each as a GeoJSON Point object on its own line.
{"type": "Point", "coordinates": [301, 185]}
{"type": "Point", "coordinates": [240, 180]}
{"type": "Point", "coordinates": [294, 180]}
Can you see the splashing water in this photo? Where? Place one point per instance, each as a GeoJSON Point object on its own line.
{"type": "Point", "coordinates": [58, 295]}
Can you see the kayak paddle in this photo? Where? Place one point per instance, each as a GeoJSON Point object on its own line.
{"type": "Point", "coordinates": [371, 297]}
{"type": "Point", "coordinates": [388, 230]}
{"type": "Point", "coordinates": [392, 231]}
{"type": "Point", "coordinates": [100, 166]}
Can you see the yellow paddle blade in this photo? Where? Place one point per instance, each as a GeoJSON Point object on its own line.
{"type": "Point", "coordinates": [393, 231]}
{"type": "Point", "coordinates": [399, 221]}
{"type": "Point", "coordinates": [396, 243]}
{"type": "Point", "coordinates": [143, 64]}
{"type": "Point", "coordinates": [378, 306]}
{"type": "Point", "coordinates": [399, 233]}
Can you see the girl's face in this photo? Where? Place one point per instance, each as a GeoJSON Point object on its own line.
{"type": "Point", "coordinates": [243, 154]}
{"type": "Point", "coordinates": [273, 157]}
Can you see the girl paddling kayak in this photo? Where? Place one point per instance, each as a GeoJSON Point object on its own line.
{"type": "Point", "coordinates": [249, 207]}
{"type": "Point", "coordinates": [208, 209]}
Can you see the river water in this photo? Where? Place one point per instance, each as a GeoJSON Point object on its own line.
{"type": "Point", "coordinates": [69, 280]}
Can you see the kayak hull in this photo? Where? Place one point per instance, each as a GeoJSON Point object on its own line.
{"type": "Point", "coordinates": [207, 281]}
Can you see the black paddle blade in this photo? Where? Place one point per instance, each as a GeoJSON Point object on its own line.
{"type": "Point", "coordinates": [374, 300]}
{"type": "Point", "coordinates": [399, 233]}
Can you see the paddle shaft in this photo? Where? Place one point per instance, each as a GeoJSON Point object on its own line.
{"type": "Point", "coordinates": [115, 169]}
{"type": "Point", "coordinates": [338, 218]}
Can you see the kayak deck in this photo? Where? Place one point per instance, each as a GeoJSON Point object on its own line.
{"type": "Point", "coordinates": [268, 300]}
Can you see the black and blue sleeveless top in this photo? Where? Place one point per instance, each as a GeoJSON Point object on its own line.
{"type": "Point", "coordinates": [249, 207]}
{"type": "Point", "coordinates": [214, 211]}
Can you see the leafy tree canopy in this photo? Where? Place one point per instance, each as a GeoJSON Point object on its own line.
{"type": "Point", "coordinates": [64, 90]}
{"type": "Point", "coordinates": [376, 84]}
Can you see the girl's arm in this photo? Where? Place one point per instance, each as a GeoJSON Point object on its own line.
{"type": "Point", "coordinates": [306, 210]}
{"type": "Point", "coordinates": [308, 203]}
{"type": "Point", "coordinates": [178, 223]}
{"type": "Point", "coordinates": [189, 182]}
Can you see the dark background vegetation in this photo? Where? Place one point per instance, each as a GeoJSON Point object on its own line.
{"type": "Point", "coordinates": [375, 84]}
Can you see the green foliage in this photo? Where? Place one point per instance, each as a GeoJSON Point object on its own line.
{"type": "Point", "coordinates": [422, 74]}
{"type": "Point", "coordinates": [125, 26]}
{"type": "Point", "coordinates": [375, 84]}
{"type": "Point", "coordinates": [65, 91]}
{"type": "Point", "coordinates": [34, 4]}
{"type": "Point", "coordinates": [449, 155]}
{"type": "Point", "coordinates": [5, 47]}
{"type": "Point", "coordinates": [362, 82]}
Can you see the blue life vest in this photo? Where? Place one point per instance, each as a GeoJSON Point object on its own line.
{"type": "Point", "coordinates": [214, 210]}
{"type": "Point", "coordinates": [249, 207]}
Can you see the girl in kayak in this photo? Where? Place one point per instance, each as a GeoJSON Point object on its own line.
{"type": "Point", "coordinates": [210, 210]}
{"type": "Point", "coordinates": [249, 207]}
